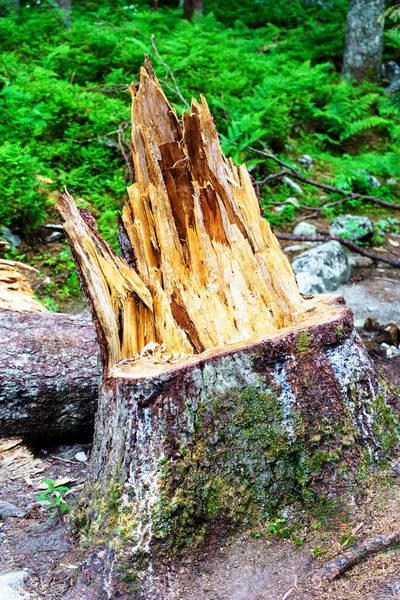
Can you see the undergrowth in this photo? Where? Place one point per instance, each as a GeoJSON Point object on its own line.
{"type": "Point", "coordinates": [270, 71]}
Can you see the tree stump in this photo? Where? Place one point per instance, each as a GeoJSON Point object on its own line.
{"type": "Point", "coordinates": [226, 395]}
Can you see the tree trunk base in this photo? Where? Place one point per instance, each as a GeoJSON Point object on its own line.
{"type": "Point", "coordinates": [228, 437]}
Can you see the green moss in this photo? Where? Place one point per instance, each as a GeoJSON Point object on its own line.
{"type": "Point", "coordinates": [385, 423]}
{"type": "Point", "coordinates": [303, 341]}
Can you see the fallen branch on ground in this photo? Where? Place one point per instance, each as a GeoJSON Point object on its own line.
{"type": "Point", "coordinates": [353, 556]}
{"type": "Point", "coordinates": [325, 237]}
{"type": "Point", "coordinates": [289, 171]}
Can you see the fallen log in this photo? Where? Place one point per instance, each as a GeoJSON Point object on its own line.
{"type": "Point", "coordinates": [354, 556]}
{"type": "Point", "coordinates": [49, 376]}
{"type": "Point", "coordinates": [226, 395]}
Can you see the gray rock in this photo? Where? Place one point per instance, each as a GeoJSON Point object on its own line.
{"type": "Point", "coordinates": [352, 227]}
{"type": "Point", "coordinates": [9, 510]}
{"type": "Point", "coordinates": [322, 269]}
{"type": "Point", "coordinates": [81, 457]}
{"type": "Point", "coordinates": [373, 181]}
{"type": "Point", "coordinates": [292, 200]}
{"type": "Point", "coordinates": [55, 236]}
{"type": "Point", "coordinates": [305, 228]}
{"type": "Point", "coordinates": [11, 586]}
{"type": "Point", "coordinates": [295, 186]}
{"type": "Point", "coordinates": [307, 161]}
{"type": "Point", "coordinates": [12, 238]}
{"type": "Point", "coordinates": [391, 74]}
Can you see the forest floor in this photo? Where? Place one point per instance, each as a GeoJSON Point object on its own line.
{"type": "Point", "coordinates": [253, 565]}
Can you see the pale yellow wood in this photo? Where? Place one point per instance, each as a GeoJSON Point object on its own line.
{"type": "Point", "coordinates": [15, 291]}
{"type": "Point", "coordinates": [208, 271]}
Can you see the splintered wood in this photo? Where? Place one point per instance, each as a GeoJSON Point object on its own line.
{"type": "Point", "coordinates": [15, 291]}
{"type": "Point", "coordinates": [200, 266]}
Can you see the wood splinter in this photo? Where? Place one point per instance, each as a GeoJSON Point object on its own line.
{"type": "Point", "coordinates": [200, 268]}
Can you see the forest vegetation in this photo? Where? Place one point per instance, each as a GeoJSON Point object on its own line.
{"type": "Point", "coordinates": [271, 72]}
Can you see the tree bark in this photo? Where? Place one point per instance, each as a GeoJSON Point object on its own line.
{"type": "Point", "coordinates": [190, 7]}
{"type": "Point", "coordinates": [65, 7]}
{"type": "Point", "coordinates": [226, 395]}
{"type": "Point", "coordinates": [49, 376]}
{"type": "Point", "coordinates": [364, 40]}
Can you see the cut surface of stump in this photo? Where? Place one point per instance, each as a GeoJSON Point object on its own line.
{"type": "Point", "coordinates": [226, 395]}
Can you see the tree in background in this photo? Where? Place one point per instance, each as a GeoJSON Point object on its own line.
{"type": "Point", "coordinates": [65, 7]}
{"type": "Point", "coordinates": [364, 40]}
{"type": "Point", "coordinates": [190, 7]}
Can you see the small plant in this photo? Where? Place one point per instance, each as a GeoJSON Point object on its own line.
{"type": "Point", "coordinates": [54, 496]}
{"type": "Point", "coordinates": [317, 551]}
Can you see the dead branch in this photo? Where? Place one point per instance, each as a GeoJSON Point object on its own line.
{"type": "Point", "coordinates": [325, 237]}
{"type": "Point", "coordinates": [353, 556]}
{"type": "Point", "coordinates": [290, 171]}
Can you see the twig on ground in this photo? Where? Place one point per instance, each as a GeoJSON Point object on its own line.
{"type": "Point", "coordinates": [170, 71]}
{"type": "Point", "coordinates": [325, 237]}
{"type": "Point", "coordinates": [290, 171]}
{"type": "Point", "coordinates": [353, 556]}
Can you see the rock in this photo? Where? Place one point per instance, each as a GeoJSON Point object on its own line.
{"type": "Point", "coordinates": [9, 510]}
{"type": "Point", "coordinates": [322, 269]}
{"type": "Point", "coordinates": [391, 76]}
{"type": "Point", "coordinates": [12, 238]}
{"type": "Point", "coordinates": [351, 227]}
{"type": "Point", "coordinates": [356, 260]}
{"type": "Point", "coordinates": [373, 181]}
{"type": "Point", "coordinates": [295, 186]}
{"type": "Point", "coordinates": [306, 160]}
{"type": "Point", "coordinates": [81, 457]}
{"type": "Point", "coordinates": [391, 181]}
{"type": "Point", "coordinates": [55, 236]}
{"type": "Point", "coordinates": [11, 586]}
{"type": "Point", "coordinates": [292, 200]}
{"type": "Point", "coordinates": [391, 351]}
{"type": "Point", "coordinates": [305, 228]}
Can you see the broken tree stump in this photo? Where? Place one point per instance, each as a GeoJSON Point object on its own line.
{"type": "Point", "coordinates": [226, 395]}
{"type": "Point", "coordinates": [49, 376]}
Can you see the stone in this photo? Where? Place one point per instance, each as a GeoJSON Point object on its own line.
{"type": "Point", "coordinates": [322, 269]}
{"type": "Point", "coordinates": [9, 510]}
{"type": "Point", "coordinates": [292, 200]}
{"type": "Point", "coordinates": [55, 236]}
{"type": "Point", "coordinates": [305, 228]}
{"type": "Point", "coordinates": [373, 181]}
{"type": "Point", "coordinates": [11, 586]}
{"type": "Point", "coordinates": [391, 76]}
{"type": "Point", "coordinates": [295, 186]}
{"type": "Point", "coordinates": [307, 161]}
{"type": "Point", "coordinates": [12, 238]}
{"type": "Point", "coordinates": [351, 227]}
{"type": "Point", "coordinates": [81, 457]}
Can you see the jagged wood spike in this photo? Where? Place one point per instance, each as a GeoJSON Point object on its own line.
{"type": "Point", "coordinates": [208, 270]}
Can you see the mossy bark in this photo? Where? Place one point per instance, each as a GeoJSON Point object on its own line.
{"type": "Point", "coordinates": [231, 439]}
